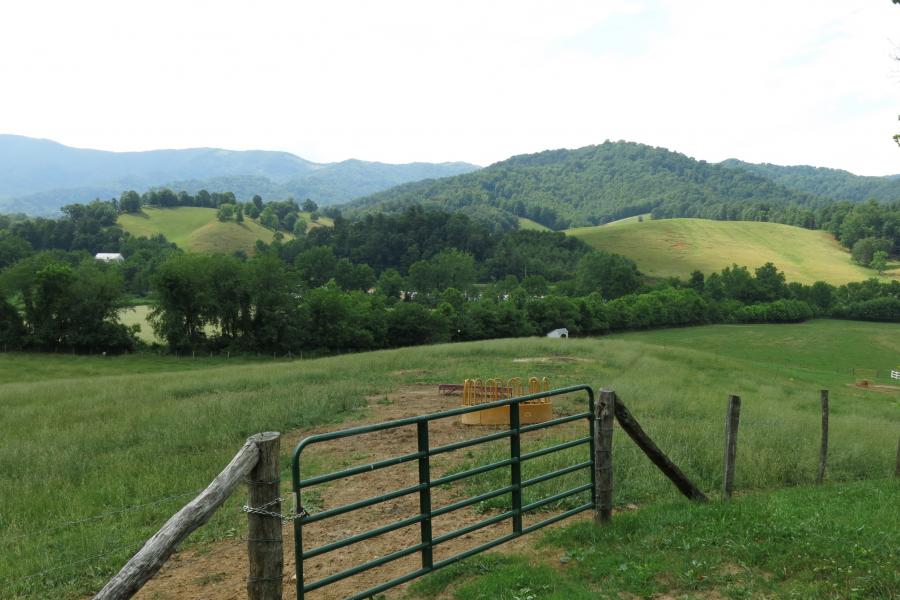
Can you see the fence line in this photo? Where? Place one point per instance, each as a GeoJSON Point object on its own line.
{"type": "Point", "coordinates": [101, 516]}
{"type": "Point", "coordinates": [130, 547]}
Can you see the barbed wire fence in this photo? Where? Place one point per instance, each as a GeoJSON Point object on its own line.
{"type": "Point", "coordinates": [96, 520]}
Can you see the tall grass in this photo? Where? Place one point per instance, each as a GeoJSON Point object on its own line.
{"type": "Point", "coordinates": [86, 436]}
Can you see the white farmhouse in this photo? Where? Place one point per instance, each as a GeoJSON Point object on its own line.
{"type": "Point", "coordinates": [109, 257]}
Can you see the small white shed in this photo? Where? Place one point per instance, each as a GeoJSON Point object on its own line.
{"type": "Point", "coordinates": [109, 257]}
{"type": "Point", "coordinates": [559, 333]}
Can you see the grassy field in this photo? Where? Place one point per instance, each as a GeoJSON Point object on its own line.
{"type": "Point", "coordinates": [84, 437]}
{"type": "Point", "coordinates": [137, 315]}
{"type": "Point", "coordinates": [196, 229]}
{"type": "Point", "coordinates": [676, 247]}
{"type": "Point", "coordinates": [322, 222]}
{"type": "Point", "coordinates": [532, 225]}
{"type": "Point", "coordinates": [834, 541]}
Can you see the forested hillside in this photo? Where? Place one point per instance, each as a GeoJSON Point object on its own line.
{"type": "Point", "coordinates": [38, 177]}
{"type": "Point", "coordinates": [828, 183]}
{"type": "Point", "coordinates": [593, 185]}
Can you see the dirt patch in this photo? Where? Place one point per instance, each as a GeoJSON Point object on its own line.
{"type": "Point", "coordinates": [405, 372]}
{"type": "Point", "coordinates": [219, 570]}
{"type": "Point", "coordinates": [680, 246]}
{"type": "Point", "coordinates": [551, 360]}
{"type": "Point", "coordinates": [865, 384]}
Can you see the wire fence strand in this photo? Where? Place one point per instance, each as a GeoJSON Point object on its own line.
{"type": "Point", "coordinates": [101, 516]}
{"type": "Point", "coordinates": [131, 547]}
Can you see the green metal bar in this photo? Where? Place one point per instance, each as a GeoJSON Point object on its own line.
{"type": "Point", "coordinates": [472, 442]}
{"type": "Point", "coordinates": [371, 593]}
{"type": "Point", "coordinates": [515, 468]}
{"type": "Point", "coordinates": [339, 510]}
{"type": "Point", "coordinates": [476, 471]}
{"type": "Point", "coordinates": [424, 488]}
{"type": "Point", "coordinates": [557, 518]}
{"type": "Point", "coordinates": [474, 527]}
{"type": "Point", "coordinates": [388, 462]}
{"type": "Point", "coordinates": [425, 494]}
{"type": "Point", "coordinates": [335, 435]}
{"type": "Point", "coordinates": [298, 535]}
{"type": "Point", "coordinates": [470, 501]}
{"type": "Point", "coordinates": [558, 473]}
{"type": "Point", "coordinates": [475, 550]}
{"type": "Point", "coordinates": [555, 497]}
{"type": "Point", "coordinates": [592, 424]}
{"type": "Point", "coordinates": [553, 422]}
{"type": "Point", "coordinates": [363, 536]}
{"type": "Point", "coordinates": [556, 448]}
{"type": "Point", "coordinates": [362, 568]}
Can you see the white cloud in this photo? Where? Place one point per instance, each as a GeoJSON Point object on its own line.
{"type": "Point", "coordinates": [798, 82]}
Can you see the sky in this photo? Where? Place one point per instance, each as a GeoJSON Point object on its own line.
{"type": "Point", "coordinates": [788, 82]}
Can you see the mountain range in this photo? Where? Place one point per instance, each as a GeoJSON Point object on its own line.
{"type": "Point", "coordinates": [614, 180]}
{"type": "Point", "coordinates": [39, 176]}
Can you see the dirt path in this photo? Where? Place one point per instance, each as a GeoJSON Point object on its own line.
{"type": "Point", "coordinates": [219, 571]}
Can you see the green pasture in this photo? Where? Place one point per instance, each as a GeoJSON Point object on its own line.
{"type": "Point", "coordinates": [527, 224]}
{"type": "Point", "coordinates": [86, 436]}
{"type": "Point", "coordinates": [137, 315]}
{"type": "Point", "coordinates": [832, 541]}
{"type": "Point", "coordinates": [196, 229]}
{"type": "Point", "coordinates": [677, 247]}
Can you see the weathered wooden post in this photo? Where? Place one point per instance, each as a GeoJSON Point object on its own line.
{"type": "Point", "coordinates": [264, 542]}
{"type": "Point", "coordinates": [634, 430]}
{"type": "Point", "coordinates": [732, 419]}
{"type": "Point", "coordinates": [897, 466]}
{"type": "Point", "coordinates": [823, 449]}
{"type": "Point", "coordinates": [604, 416]}
{"type": "Point", "coordinates": [151, 557]}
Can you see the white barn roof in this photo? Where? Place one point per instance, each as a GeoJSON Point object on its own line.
{"type": "Point", "coordinates": [109, 256]}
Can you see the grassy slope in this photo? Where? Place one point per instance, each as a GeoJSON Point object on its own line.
{"type": "Point", "coordinates": [196, 229]}
{"type": "Point", "coordinates": [676, 247]}
{"type": "Point", "coordinates": [809, 542]}
{"type": "Point", "coordinates": [529, 224]}
{"type": "Point", "coordinates": [120, 431]}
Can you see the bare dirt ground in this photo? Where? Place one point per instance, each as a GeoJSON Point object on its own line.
{"type": "Point", "coordinates": [874, 387]}
{"type": "Point", "coordinates": [219, 571]}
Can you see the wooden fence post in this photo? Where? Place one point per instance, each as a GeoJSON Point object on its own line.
{"type": "Point", "coordinates": [604, 416]}
{"type": "Point", "coordinates": [158, 548]}
{"type": "Point", "coordinates": [823, 450]}
{"type": "Point", "coordinates": [634, 430]}
{"type": "Point", "coordinates": [732, 419]}
{"type": "Point", "coordinates": [264, 542]}
{"type": "Point", "coordinates": [897, 466]}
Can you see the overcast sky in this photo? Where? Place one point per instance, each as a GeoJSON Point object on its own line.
{"type": "Point", "coordinates": [787, 81]}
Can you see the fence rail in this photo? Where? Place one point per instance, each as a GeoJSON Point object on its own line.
{"type": "Point", "coordinates": [427, 513]}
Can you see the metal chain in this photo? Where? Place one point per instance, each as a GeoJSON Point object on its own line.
{"type": "Point", "coordinates": [261, 510]}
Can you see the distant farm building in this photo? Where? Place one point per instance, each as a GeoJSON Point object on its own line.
{"type": "Point", "coordinates": [559, 333]}
{"type": "Point", "coordinates": [109, 256]}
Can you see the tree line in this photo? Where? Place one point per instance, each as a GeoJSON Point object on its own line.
{"type": "Point", "coordinates": [390, 280]}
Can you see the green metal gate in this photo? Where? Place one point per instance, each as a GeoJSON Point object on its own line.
{"type": "Point", "coordinates": [426, 513]}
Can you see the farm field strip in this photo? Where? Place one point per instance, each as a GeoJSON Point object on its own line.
{"type": "Point", "coordinates": [676, 247]}
{"type": "Point", "coordinates": [104, 433]}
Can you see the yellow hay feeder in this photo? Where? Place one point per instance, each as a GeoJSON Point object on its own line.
{"type": "Point", "coordinates": [533, 411]}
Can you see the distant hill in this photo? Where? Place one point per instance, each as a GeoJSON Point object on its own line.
{"type": "Point", "coordinates": [676, 247]}
{"type": "Point", "coordinates": [828, 183]}
{"type": "Point", "coordinates": [196, 229]}
{"type": "Point", "coordinates": [588, 186]}
{"type": "Point", "coordinates": [39, 176]}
